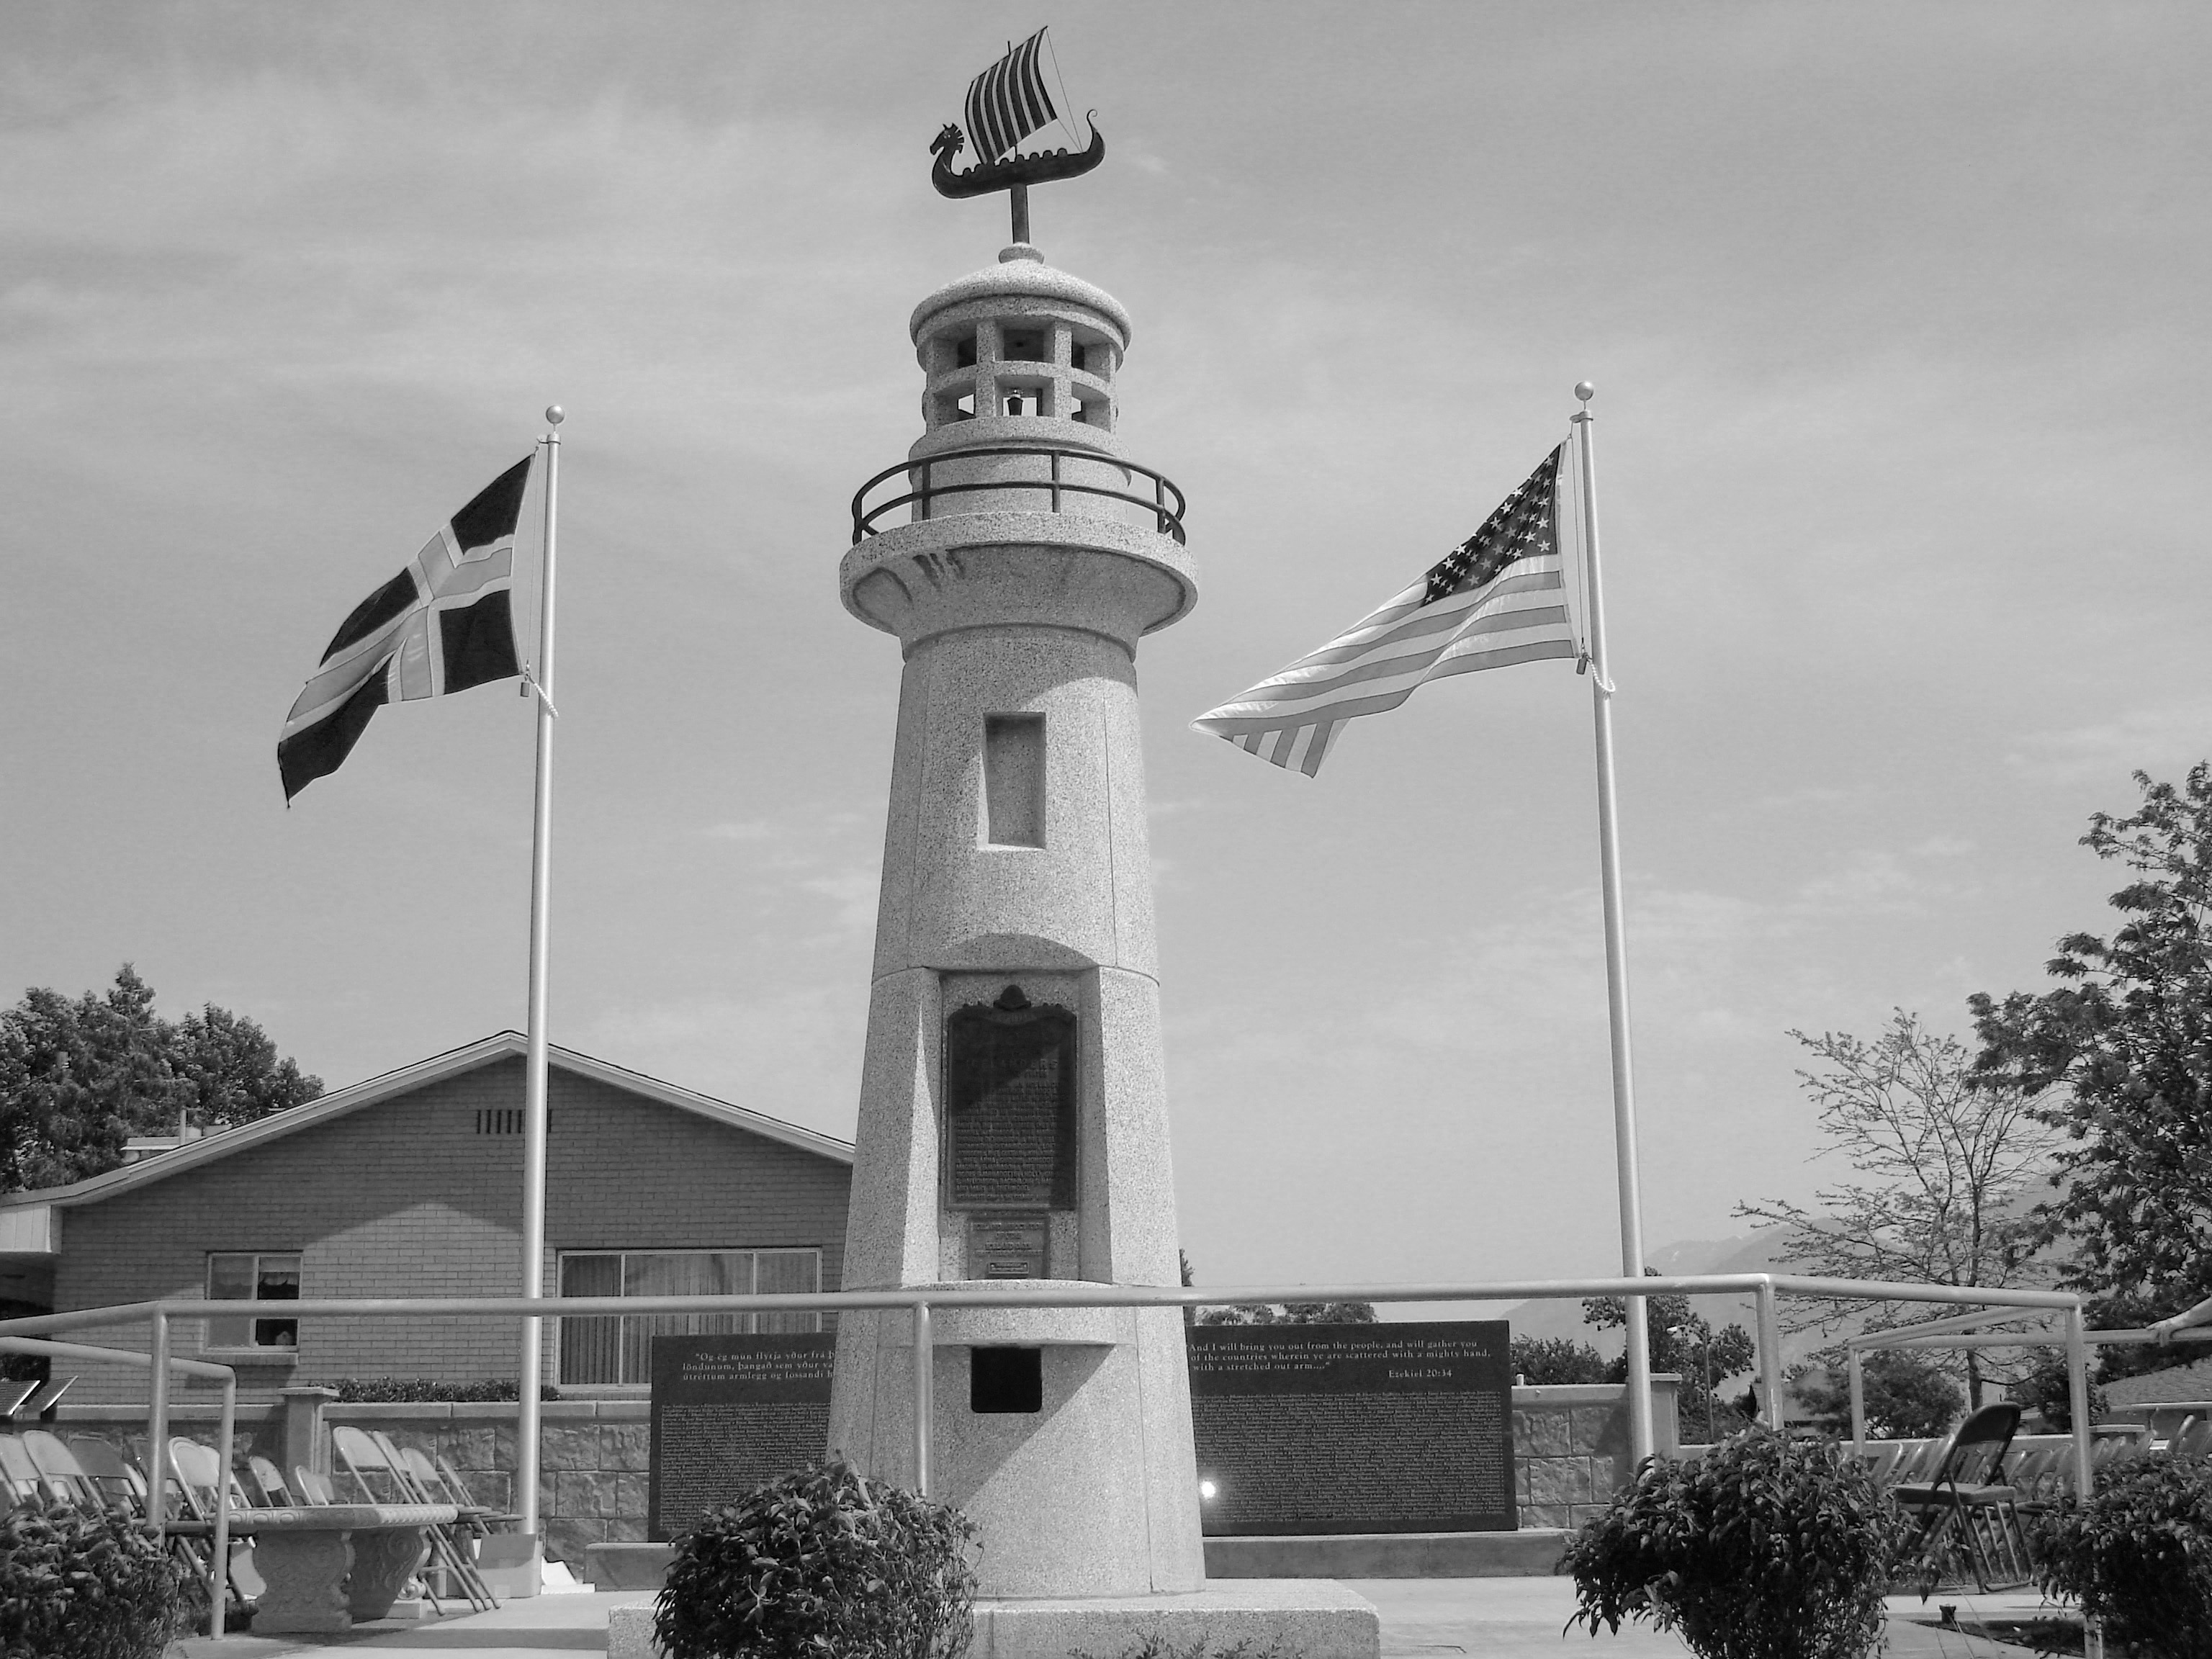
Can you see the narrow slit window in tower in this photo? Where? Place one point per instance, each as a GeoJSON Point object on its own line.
{"type": "Point", "coordinates": [1014, 779]}
{"type": "Point", "coordinates": [963, 350]}
{"type": "Point", "coordinates": [1023, 344]}
{"type": "Point", "coordinates": [1005, 1380]}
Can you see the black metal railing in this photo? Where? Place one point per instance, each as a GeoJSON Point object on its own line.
{"type": "Point", "coordinates": [1167, 517]}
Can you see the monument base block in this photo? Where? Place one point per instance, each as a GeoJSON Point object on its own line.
{"type": "Point", "coordinates": [1309, 1617]}
{"type": "Point", "coordinates": [1530, 1552]}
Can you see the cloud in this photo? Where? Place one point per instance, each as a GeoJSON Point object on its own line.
{"type": "Point", "coordinates": [792, 1052]}
{"type": "Point", "coordinates": [2166, 738]}
{"type": "Point", "coordinates": [853, 892]}
{"type": "Point", "coordinates": [1871, 883]}
{"type": "Point", "coordinates": [1943, 847]}
{"type": "Point", "coordinates": [753, 829]}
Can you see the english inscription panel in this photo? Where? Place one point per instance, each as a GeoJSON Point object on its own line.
{"type": "Point", "coordinates": [728, 1414]}
{"type": "Point", "coordinates": [1305, 1429]}
{"type": "Point", "coordinates": [1010, 1109]}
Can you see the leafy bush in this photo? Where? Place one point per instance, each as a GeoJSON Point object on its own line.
{"type": "Point", "coordinates": [2138, 1555]}
{"type": "Point", "coordinates": [87, 1584]}
{"type": "Point", "coordinates": [382, 1390]}
{"type": "Point", "coordinates": [824, 1564]}
{"type": "Point", "coordinates": [1763, 1548]}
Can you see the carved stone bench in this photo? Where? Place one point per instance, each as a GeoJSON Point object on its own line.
{"type": "Point", "coordinates": [327, 1567]}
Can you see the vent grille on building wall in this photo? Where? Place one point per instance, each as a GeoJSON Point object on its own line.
{"type": "Point", "coordinates": [502, 1120]}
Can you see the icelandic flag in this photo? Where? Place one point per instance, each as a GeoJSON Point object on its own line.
{"type": "Point", "coordinates": [444, 623]}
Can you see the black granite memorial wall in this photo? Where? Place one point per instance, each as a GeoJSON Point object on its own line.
{"type": "Point", "coordinates": [728, 1414]}
{"type": "Point", "coordinates": [1308, 1429]}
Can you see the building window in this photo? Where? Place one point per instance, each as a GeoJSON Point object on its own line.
{"type": "Point", "coordinates": [253, 1276]}
{"type": "Point", "coordinates": [620, 1349]}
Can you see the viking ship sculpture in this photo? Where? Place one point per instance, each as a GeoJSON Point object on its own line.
{"type": "Point", "coordinates": [1006, 103]}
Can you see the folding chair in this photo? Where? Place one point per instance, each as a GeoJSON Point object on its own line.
{"type": "Point", "coordinates": [495, 1519]}
{"type": "Point", "coordinates": [61, 1469]}
{"type": "Point", "coordinates": [1964, 1511]}
{"type": "Point", "coordinates": [199, 1472]}
{"type": "Point", "coordinates": [1883, 1458]}
{"type": "Point", "coordinates": [313, 1488]}
{"type": "Point", "coordinates": [13, 1394]}
{"type": "Point", "coordinates": [270, 1479]}
{"type": "Point", "coordinates": [474, 1523]}
{"type": "Point", "coordinates": [19, 1476]}
{"type": "Point", "coordinates": [120, 1483]}
{"type": "Point", "coordinates": [455, 1542]}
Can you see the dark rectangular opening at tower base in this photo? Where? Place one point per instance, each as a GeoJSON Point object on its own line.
{"type": "Point", "coordinates": [1005, 1381]}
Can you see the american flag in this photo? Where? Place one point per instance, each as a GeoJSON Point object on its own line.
{"type": "Point", "coordinates": [1499, 597]}
{"type": "Point", "coordinates": [442, 625]}
{"type": "Point", "coordinates": [1007, 102]}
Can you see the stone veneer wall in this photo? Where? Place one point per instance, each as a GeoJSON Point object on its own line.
{"type": "Point", "coordinates": [592, 1467]}
{"type": "Point", "coordinates": [1570, 1450]}
{"type": "Point", "coordinates": [1570, 1447]}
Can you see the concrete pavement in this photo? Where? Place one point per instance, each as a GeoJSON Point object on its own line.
{"type": "Point", "coordinates": [1495, 1618]}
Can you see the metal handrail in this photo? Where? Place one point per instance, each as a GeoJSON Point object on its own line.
{"type": "Point", "coordinates": [1169, 518]}
{"type": "Point", "coordinates": [157, 1448]}
{"type": "Point", "coordinates": [919, 1303]}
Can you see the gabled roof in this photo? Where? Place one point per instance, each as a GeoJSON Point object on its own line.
{"type": "Point", "coordinates": [222, 1142]}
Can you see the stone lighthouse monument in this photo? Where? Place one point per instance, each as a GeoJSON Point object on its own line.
{"type": "Point", "coordinates": [1013, 1123]}
{"type": "Point", "coordinates": [1013, 1129]}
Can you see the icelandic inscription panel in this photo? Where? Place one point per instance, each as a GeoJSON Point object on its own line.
{"type": "Point", "coordinates": [728, 1414]}
{"type": "Point", "coordinates": [1010, 1072]}
{"type": "Point", "coordinates": [1306, 1428]}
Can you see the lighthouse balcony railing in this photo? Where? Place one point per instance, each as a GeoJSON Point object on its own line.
{"type": "Point", "coordinates": [1061, 484]}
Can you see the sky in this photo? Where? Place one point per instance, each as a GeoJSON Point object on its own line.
{"type": "Point", "coordinates": [1897, 317]}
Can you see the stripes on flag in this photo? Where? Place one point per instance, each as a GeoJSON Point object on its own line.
{"type": "Point", "coordinates": [444, 623]}
{"type": "Point", "coordinates": [1007, 102]}
{"type": "Point", "coordinates": [1498, 597]}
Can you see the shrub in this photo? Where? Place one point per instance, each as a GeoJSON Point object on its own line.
{"type": "Point", "coordinates": [2138, 1554]}
{"type": "Point", "coordinates": [87, 1584]}
{"type": "Point", "coordinates": [825, 1563]}
{"type": "Point", "coordinates": [379, 1390]}
{"type": "Point", "coordinates": [1765, 1548]}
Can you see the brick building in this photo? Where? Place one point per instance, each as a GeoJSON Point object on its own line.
{"type": "Point", "coordinates": [411, 1184]}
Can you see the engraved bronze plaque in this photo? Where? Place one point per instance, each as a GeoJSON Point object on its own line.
{"type": "Point", "coordinates": [1010, 1107]}
{"type": "Point", "coordinates": [1006, 1247]}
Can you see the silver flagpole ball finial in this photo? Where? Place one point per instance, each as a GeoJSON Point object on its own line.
{"type": "Point", "coordinates": [553, 414]}
{"type": "Point", "coordinates": [1585, 391]}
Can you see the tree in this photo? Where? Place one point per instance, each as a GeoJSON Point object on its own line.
{"type": "Point", "coordinates": [1907, 1397]}
{"type": "Point", "coordinates": [1277, 1313]}
{"type": "Point", "coordinates": [1543, 1361]}
{"type": "Point", "coordinates": [1289, 1313]}
{"type": "Point", "coordinates": [1950, 1162]}
{"type": "Point", "coordinates": [2124, 1044]}
{"type": "Point", "coordinates": [1682, 1342]}
{"type": "Point", "coordinates": [79, 1078]}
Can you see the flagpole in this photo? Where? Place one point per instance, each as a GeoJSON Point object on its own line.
{"type": "Point", "coordinates": [527, 1415]}
{"type": "Point", "coordinates": [1616, 959]}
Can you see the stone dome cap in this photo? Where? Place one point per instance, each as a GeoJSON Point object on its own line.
{"type": "Point", "coordinates": [1023, 274]}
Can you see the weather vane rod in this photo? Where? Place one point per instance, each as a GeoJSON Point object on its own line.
{"type": "Point", "coordinates": [1006, 104]}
